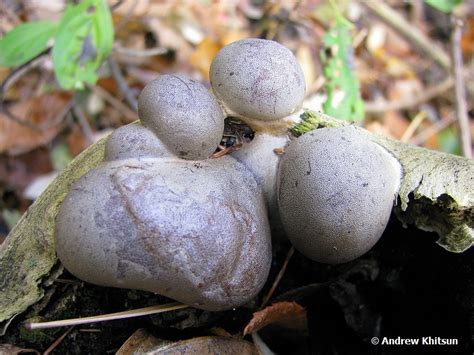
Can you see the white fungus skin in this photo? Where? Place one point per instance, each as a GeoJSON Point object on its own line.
{"type": "Point", "coordinates": [193, 231]}
{"type": "Point", "coordinates": [183, 114]}
{"type": "Point", "coordinates": [257, 79]}
{"type": "Point", "coordinates": [336, 190]}
{"type": "Point", "coordinates": [134, 141]}
{"type": "Point", "coordinates": [259, 157]}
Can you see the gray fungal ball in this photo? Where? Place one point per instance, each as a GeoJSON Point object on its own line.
{"type": "Point", "coordinates": [183, 114]}
{"type": "Point", "coordinates": [336, 190]}
{"type": "Point", "coordinates": [258, 79]}
{"type": "Point", "coordinates": [194, 231]}
{"type": "Point", "coordinates": [134, 141]}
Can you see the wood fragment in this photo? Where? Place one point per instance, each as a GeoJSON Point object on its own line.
{"type": "Point", "coordinates": [58, 341]}
{"type": "Point", "coordinates": [419, 40]}
{"type": "Point", "coordinates": [108, 317]}
{"type": "Point", "coordinates": [279, 277]}
{"type": "Point", "coordinates": [460, 89]}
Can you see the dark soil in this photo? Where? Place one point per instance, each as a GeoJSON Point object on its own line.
{"type": "Point", "coordinates": [406, 287]}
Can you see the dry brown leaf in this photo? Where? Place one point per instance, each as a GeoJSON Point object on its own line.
{"type": "Point", "coordinates": [203, 55]}
{"type": "Point", "coordinates": [396, 124]}
{"type": "Point", "coordinates": [16, 138]}
{"type": "Point", "coordinates": [209, 346]}
{"type": "Point", "coordinates": [17, 172]}
{"type": "Point", "coordinates": [141, 342]}
{"type": "Point", "coordinates": [467, 41]}
{"type": "Point", "coordinates": [8, 349]}
{"type": "Point", "coordinates": [287, 314]}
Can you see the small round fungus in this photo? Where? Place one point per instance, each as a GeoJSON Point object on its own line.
{"type": "Point", "coordinates": [258, 79]}
{"type": "Point", "coordinates": [134, 141]}
{"type": "Point", "coordinates": [336, 190]}
{"type": "Point", "coordinates": [183, 114]}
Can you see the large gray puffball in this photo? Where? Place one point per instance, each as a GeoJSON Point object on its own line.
{"type": "Point", "coordinates": [183, 114]}
{"type": "Point", "coordinates": [336, 191]}
{"type": "Point", "coordinates": [194, 231]}
{"type": "Point", "coordinates": [258, 79]}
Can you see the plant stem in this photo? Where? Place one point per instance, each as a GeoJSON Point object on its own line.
{"type": "Point", "coordinates": [460, 88]}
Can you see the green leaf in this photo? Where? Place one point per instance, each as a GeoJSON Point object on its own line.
{"type": "Point", "coordinates": [448, 141]}
{"type": "Point", "coordinates": [61, 157]}
{"type": "Point", "coordinates": [446, 6]}
{"type": "Point", "coordinates": [338, 62]}
{"type": "Point", "coordinates": [85, 39]}
{"type": "Point", "coordinates": [25, 42]}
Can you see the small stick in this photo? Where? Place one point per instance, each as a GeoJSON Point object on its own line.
{"type": "Point", "coordinates": [460, 89]}
{"type": "Point", "coordinates": [122, 84]}
{"type": "Point", "coordinates": [427, 95]}
{"type": "Point", "coordinates": [411, 33]}
{"type": "Point", "coordinates": [85, 126]}
{"type": "Point", "coordinates": [423, 136]}
{"type": "Point", "coordinates": [260, 345]}
{"type": "Point", "coordinates": [414, 124]}
{"type": "Point", "coordinates": [16, 75]}
{"type": "Point", "coordinates": [140, 53]}
{"type": "Point", "coordinates": [108, 317]}
{"type": "Point", "coordinates": [279, 277]}
{"type": "Point", "coordinates": [117, 104]}
{"type": "Point", "coordinates": [58, 341]}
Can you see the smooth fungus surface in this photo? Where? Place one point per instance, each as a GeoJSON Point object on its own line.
{"type": "Point", "coordinates": [258, 79]}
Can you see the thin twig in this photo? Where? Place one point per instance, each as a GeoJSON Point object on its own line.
{"type": "Point", "coordinates": [262, 348]}
{"type": "Point", "coordinates": [122, 84]}
{"type": "Point", "coordinates": [108, 317]}
{"type": "Point", "coordinates": [129, 114]}
{"type": "Point", "coordinates": [11, 79]}
{"type": "Point", "coordinates": [279, 277]}
{"type": "Point", "coordinates": [426, 134]}
{"type": "Point", "coordinates": [83, 122]}
{"type": "Point", "coordinates": [58, 341]}
{"type": "Point", "coordinates": [414, 124]}
{"type": "Point", "coordinates": [460, 88]}
{"type": "Point", "coordinates": [411, 33]}
{"type": "Point", "coordinates": [140, 53]}
{"type": "Point", "coordinates": [116, 5]}
{"type": "Point", "coordinates": [410, 102]}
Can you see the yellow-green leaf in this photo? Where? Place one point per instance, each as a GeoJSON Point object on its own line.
{"type": "Point", "coordinates": [25, 42]}
{"type": "Point", "coordinates": [85, 38]}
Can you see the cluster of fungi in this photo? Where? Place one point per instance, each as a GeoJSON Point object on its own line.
{"type": "Point", "coordinates": [163, 214]}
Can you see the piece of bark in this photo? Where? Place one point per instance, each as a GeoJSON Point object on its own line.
{"type": "Point", "coordinates": [28, 255]}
